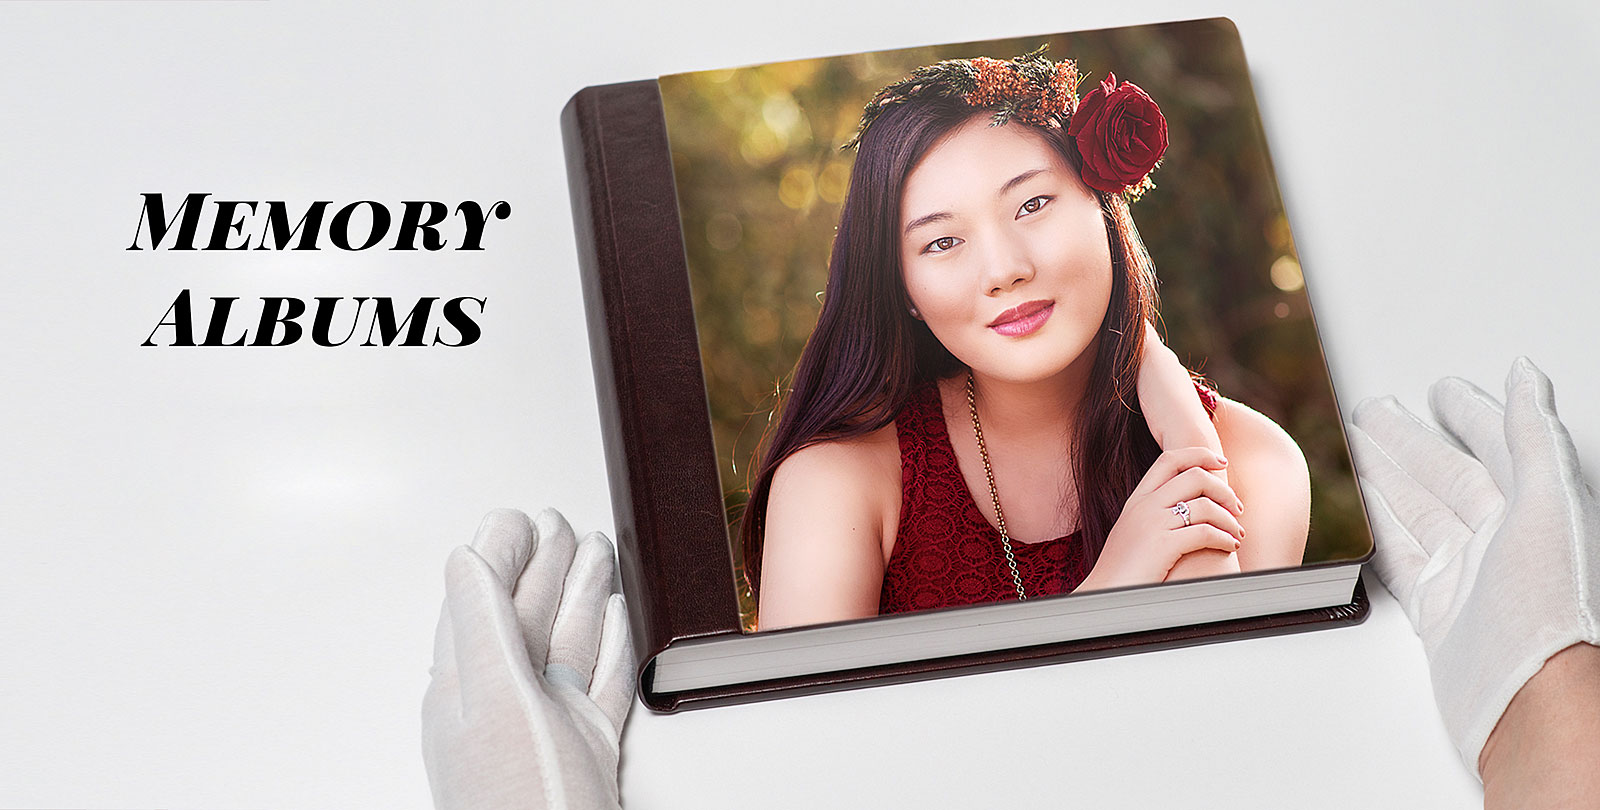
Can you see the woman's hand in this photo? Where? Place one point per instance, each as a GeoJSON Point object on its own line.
{"type": "Point", "coordinates": [1177, 418]}
{"type": "Point", "coordinates": [1150, 536]}
{"type": "Point", "coordinates": [1172, 410]}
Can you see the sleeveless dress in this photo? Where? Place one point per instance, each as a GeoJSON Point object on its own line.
{"type": "Point", "coordinates": [946, 553]}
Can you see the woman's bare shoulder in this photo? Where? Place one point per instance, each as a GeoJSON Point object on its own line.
{"type": "Point", "coordinates": [1268, 472]}
{"type": "Point", "coordinates": [848, 469]}
{"type": "Point", "coordinates": [1249, 435]}
{"type": "Point", "coordinates": [829, 508]}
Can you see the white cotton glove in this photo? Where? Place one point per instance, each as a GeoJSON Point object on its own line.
{"type": "Point", "coordinates": [1494, 552]}
{"type": "Point", "coordinates": [532, 671]}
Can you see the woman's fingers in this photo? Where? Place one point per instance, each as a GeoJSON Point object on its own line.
{"type": "Point", "coordinates": [1197, 482]}
{"type": "Point", "coordinates": [1205, 510]}
{"type": "Point", "coordinates": [1202, 535]}
{"type": "Point", "coordinates": [1172, 463]}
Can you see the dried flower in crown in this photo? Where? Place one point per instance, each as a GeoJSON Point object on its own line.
{"type": "Point", "coordinates": [1119, 130]}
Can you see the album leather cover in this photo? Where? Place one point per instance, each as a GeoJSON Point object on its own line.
{"type": "Point", "coordinates": [776, 321]}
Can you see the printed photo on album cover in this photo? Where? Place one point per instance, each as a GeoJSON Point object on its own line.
{"type": "Point", "coordinates": [1002, 320]}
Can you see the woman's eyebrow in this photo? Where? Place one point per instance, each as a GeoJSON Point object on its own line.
{"type": "Point", "coordinates": [937, 216]}
{"type": "Point", "coordinates": [1019, 180]}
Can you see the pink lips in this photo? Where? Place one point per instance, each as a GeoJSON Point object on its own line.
{"type": "Point", "coordinates": [1023, 319]}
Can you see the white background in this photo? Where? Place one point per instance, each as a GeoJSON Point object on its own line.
{"type": "Point", "coordinates": [220, 568]}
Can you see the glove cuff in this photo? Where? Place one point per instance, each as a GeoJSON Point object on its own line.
{"type": "Point", "coordinates": [1472, 710]}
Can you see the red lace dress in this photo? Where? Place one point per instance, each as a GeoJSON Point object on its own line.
{"type": "Point", "coordinates": [946, 553]}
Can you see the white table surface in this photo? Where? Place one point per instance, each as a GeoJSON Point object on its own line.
{"type": "Point", "coordinates": [220, 568]}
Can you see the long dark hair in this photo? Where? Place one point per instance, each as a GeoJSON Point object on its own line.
{"type": "Point", "coordinates": [866, 353]}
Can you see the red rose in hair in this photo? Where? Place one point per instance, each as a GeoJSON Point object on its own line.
{"type": "Point", "coordinates": [1121, 135]}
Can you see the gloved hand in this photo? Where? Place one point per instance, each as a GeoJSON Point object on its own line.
{"type": "Point", "coordinates": [532, 671]}
{"type": "Point", "coordinates": [1493, 552]}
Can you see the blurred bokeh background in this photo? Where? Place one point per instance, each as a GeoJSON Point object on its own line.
{"type": "Point", "coordinates": [761, 179]}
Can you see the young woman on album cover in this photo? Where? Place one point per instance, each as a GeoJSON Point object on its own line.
{"type": "Point", "coordinates": [984, 411]}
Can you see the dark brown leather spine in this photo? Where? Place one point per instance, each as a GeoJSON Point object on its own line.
{"type": "Point", "coordinates": [677, 570]}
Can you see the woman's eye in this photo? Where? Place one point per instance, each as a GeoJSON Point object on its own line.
{"type": "Point", "coordinates": [1032, 206]}
{"type": "Point", "coordinates": [941, 244]}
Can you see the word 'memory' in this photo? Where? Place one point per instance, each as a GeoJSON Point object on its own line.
{"type": "Point", "coordinates": [333, 322]}
{"type": "Point", "coordinates": [360, 225]}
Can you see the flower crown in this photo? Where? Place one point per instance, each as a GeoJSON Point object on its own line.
{"type": "Point", "coordinates": [1120, 132]}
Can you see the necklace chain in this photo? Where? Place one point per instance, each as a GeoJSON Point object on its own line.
{"type": "Point", "coordinates": [994, 494]}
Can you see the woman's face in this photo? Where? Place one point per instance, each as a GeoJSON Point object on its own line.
{"type": "Point", "coordinates": [1003, 252]}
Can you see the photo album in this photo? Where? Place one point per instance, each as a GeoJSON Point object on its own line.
{"type": "Point", "coordinates": [951, 359]}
